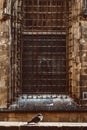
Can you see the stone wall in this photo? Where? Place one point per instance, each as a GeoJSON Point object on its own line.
{"type": "Point", "coordinates": [78, 53]}
{"type": "Point", "coordinates": [48, 116]}
{"type": "Point", "coordinates": [4, 57]}
{"type": "Point", "coordinates": [77, 49]}
{"type": "Point", "coordinates": [83, 53]}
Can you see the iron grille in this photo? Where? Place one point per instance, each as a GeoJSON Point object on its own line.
{"type": "Point", "coordinates": [44, 46]}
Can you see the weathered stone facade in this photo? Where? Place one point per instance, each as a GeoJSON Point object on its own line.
{"type": "Point", "coordinates": [74, 46]}
{"type": "Point", "coordinates": [78, 52]}
{"type": "Point", "coordinates": [77, 58]}
{"type": "Point", "coordinates": [4, 57]}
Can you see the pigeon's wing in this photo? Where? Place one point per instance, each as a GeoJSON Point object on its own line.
{"type": "Point", "coordinates": [34, 120]}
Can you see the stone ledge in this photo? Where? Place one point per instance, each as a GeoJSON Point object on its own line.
{"type": "Point", "coordinates": [42, 124]}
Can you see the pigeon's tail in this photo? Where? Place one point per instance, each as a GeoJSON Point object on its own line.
{"type": "Point", "coordinates": [29, 122]}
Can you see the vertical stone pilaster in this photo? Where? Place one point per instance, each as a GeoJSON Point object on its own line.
{"type": "Point", "coordinates": [4, 56]}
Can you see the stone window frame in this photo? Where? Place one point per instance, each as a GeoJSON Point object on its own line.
{"type": "Point", "coordinates": [33, 98]}
{"type": "Point", "coordinates": [85, 4]}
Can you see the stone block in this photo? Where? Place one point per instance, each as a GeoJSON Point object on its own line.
{"type": "Point", "coordinates": [9, 128]}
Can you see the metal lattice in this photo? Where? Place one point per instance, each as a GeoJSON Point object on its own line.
{"type": "Point", "coordinates": [44, 46]}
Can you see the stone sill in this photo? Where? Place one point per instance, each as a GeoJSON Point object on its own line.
{"type": "Point", "coordinates": [42, 126]}
{"type": "Point", "coordinates": [44, 103]}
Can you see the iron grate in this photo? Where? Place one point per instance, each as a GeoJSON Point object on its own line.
{"type": "Point", "coordinates": [44, 46]}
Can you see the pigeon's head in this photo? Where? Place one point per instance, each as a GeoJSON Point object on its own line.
{"type": "Point", "coordinates": [39, 114]}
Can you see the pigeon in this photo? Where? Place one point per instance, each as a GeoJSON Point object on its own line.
{"type": "Point", "coordinates": [36, 119]}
